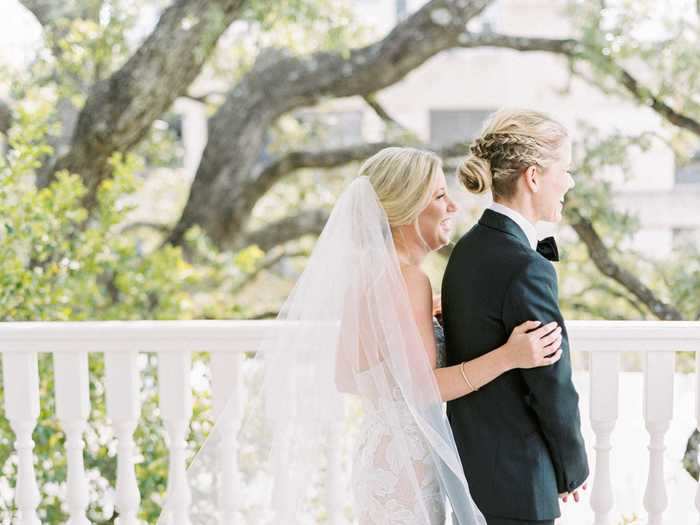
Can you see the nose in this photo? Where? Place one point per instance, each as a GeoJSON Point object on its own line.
{"type": "Point", "coordinates": [451, 205]}
{"type": "Point", "coordinates": [572, 183]}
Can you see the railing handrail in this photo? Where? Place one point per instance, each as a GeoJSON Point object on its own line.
{"type": "Point", "coordinates": [245, 335]}
{"type": "Point", "coordinates": [176, 340]}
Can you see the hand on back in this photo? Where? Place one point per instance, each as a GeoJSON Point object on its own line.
{"type": "Point", "coordinates": [531, 345]}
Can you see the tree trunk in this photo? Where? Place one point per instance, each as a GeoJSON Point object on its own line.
{"type": "Point", "coordinates": [120, 109]}
{"type": "Point", "coordinates": [279, 83]}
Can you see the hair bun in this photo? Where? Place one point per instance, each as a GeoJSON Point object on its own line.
{"type": "Point", "coordinates": [475, 174]}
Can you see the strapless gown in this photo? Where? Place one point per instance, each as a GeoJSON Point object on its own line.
{"type": "Point", "coordinates": [382, 493]}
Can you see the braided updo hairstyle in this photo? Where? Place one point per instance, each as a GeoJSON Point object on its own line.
{"type": "Point", "coordinates": [511, 141]}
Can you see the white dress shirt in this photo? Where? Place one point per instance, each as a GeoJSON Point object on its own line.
{"type": "Point", "coordinates": [525, 225]}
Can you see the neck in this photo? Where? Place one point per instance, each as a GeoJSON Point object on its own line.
{"type": "Point", "coordinates": [410, 250]}
{"type": "Point", "coordinates": [523, 206]}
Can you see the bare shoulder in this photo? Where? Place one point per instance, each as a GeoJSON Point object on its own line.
{"type": "Point", "coordinates": [419, 289]}
{"type": "Point", "coordinates": [420, 296]}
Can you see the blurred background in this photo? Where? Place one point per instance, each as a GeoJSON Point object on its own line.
{"type": "Point", "coordinates": [177, 160]}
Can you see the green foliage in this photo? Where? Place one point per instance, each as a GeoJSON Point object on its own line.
{"type": "Point", "coordinates": [217, 276]}
{"type": "Point", "coordinates": [299, 27]}
{"type": "Point", "coordinates": [59, 264]}
{"type": "Point", "coordinates": [306, 26]}
{"type": "Point", "coordinates": [657, 44]}
{"type": "Point", "coordinates": [682, 277]}
{"type": "Point", "coordinates": [675, 280]}
{"type": "Point", "coordinates": [79, 50]}
{"type": "Point", "coordinates": [585, 293]}
{"type": "Point", "coordinates": [601, 159]}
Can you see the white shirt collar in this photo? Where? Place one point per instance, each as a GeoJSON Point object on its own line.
{"type": "Point", "coordinates": [525, 225]}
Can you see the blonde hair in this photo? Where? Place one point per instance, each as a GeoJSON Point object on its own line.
{"type": "Point", "coordinates": [403, 179]}
{"type": "Point", "coordinates": [511, 141]}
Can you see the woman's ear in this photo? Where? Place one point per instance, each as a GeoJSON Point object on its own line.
{"type": "Point", "coordinates": [531, 178]}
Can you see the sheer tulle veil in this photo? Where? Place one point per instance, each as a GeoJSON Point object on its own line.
{"type": "Point", "coordinates": [348, 315]}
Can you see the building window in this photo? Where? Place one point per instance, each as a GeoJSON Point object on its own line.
{"type": "Point", "coordinates": [690, 173]}
{"type": "Point", "coordinates": [685, 238]}
{"type": "Point", "coordinates": [450, 126]}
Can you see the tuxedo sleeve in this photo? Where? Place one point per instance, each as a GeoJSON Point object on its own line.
{"type": "Point", "coordinates": [533, 295]}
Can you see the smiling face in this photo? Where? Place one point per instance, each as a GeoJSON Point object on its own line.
{"type": "Point", "coordinates": [552, 185]}
{"type": "Point", "coordinates": [435, 221]}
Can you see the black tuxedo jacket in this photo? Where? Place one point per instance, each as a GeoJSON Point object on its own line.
{"type": "Point", "coordinates": [519, 436]}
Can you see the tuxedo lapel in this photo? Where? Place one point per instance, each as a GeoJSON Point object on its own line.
{"type": "Point", "coordinates": [498, 221]}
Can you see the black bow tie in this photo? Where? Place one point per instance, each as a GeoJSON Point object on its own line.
{"type": "Point", "coordinates": [547, 247]}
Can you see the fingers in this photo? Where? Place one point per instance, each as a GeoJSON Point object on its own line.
{"type": "Point", "coordinates": [546, 361]}
{"type": "Point", "coordinates": [575, 494]}
{"type": "Point", "coordinates": [525, 327]}
{"type": "Point", "coordinates": [550, 348]}
{"type": "Point", "coordinates": [545, 329]}
{"type": "Point", "coordinates": [552, 337]}
{"type": "Point", "coordinates": [565, 497]}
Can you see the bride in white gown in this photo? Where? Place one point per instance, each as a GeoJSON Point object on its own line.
{"type": "Point", "coordinates": [358, 323]}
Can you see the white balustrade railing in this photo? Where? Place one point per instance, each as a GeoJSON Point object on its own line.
{"type": "Point", "coordinates": [604, 367]}
{"type": "Point", "coordinates": [226, 341]}
{"type": "Point", "coordinates": [73, 408]}
{"type": "Point", "coordinates": [122, 388]}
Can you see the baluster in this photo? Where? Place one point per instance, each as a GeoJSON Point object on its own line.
{"type": "Point", "coordinates": [604, 405]}
{"type": "Point", "coordinates": [71, 381]}
{"type": "Point", "coordinates": [334, 491]}
{"type": "Point", "coordinates": [281, 495]}
{"type": "Point", "coordinates": [658, 411]}
{"type": "Point", "coordinates": [335, 407]}
{"type": "Point", "coordinates": [226, 387]}
{"type": "Point", "coordinates": [176, 411]}
{"type": "Point", "coordinates": [697, 414]}
{"type": "Point", "coordinates": [21, 384]}
{"type": "Point", "coordinates": [278, 390]}
{"type": "Point", "coordinates": [123, 408]}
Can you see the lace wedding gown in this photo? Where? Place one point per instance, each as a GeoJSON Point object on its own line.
{"type": "Point", "coordinates": [382, 493]}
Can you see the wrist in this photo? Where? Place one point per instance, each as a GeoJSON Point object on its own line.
{"type": "Point", "coordinates": [505, 358]}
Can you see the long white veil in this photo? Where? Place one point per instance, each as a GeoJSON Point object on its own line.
{"type": "Point", "coordinates": [346, 339]}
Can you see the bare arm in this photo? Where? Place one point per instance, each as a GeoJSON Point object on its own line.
{"type": "Point", "coordinates": [479, 371]}
{"type": "Point", "coordinates": [524, 349]}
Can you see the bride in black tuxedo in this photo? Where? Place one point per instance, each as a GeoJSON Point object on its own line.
{"type": "Point", "coordinates": [527, 448]}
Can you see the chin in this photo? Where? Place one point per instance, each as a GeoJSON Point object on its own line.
{"type": "Point", "coordinates": [440, 242]}
{"type": "Point", "coordinates": [556, 216]}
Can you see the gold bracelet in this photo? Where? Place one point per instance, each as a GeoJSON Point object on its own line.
{"type": "Point", "coordinates": [466, 380]}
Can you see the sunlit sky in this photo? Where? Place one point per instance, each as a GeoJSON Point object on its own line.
{"type": "Point", "coordinates": [20, 34]}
